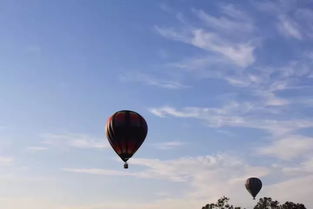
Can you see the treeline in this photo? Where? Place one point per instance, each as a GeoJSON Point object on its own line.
{"type": "Point", "coordinates": [263, 203]}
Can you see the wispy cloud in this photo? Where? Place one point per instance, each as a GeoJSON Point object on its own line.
{"type": "Point", "coordinates": [289, 28]}
{"type": "Point", "coordinates": [262, 82]}
{"type": "Point", "coordinates": [240, 53]}
{"type": "Point", "coordinates": [6, 161]}
{"type": "Point", "coordinates": [197, 173]}
{"type": "Point", "coordinates": [289, 147]}
{"type": "Point", "coordinates": [213, 37]}
{"type": "Point", "coordinates": [153, 81]}
{"type": "Point", "coordinates": [292, 19]}
{"type": "Point", "coordinates": [168, 145]}
{"type": "Point", "coordinates": [182, 169]}
{"type": "Point", "coordinates": [81, 141]}
{"type": "Point", "coordinates": [166, 203]}
{"type": "Point", "coordinates": [216, 35]}
{"type": "Point", "coordinates": [37, 148]}
{"type": "Point", "coordinates": [236, 114]}
{"type": "Point", "coordinates": [204, 176]}
{"type": "Point", "coordinates": [97, 171]}
{"type": "Point", "coordinates": [165, 111]}
{"type": "Point", "coordinates": [303, 168]}
{"type": "Point", "coordinates": [232, 20]}
{"type": "Point", "coordinates": [300, 195]}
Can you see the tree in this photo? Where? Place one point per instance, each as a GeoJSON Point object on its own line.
{"type": "Point", "coordinates": [267, 203]}
{"type": "Point", "coordinates": [264, 203]}
{"type": "Point", "coordinates": [291, 205]}
{"type": "Point", "coordinates": [222, 203]}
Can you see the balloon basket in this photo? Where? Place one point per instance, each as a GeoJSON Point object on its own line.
{"type": "Point", "coordinates": [125, 165]}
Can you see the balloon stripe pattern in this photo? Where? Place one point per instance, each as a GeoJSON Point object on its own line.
{"type": "Point", "coordinates": [126, 131]}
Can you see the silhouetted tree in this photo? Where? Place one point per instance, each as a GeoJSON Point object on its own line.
{"type": "Point", "coordinates": [291, 205]}
{"type": "Point", "coordinates": [264, 203]}
{"type": "Point", "coordinates": [222, 203]}
{"type": "Point", "coordinates": [267, 203]}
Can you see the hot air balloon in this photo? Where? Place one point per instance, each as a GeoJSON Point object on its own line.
{"type": "Point", "coordinates": [253, 185]}
{"type": "Point", "coordinates": [126, 130]}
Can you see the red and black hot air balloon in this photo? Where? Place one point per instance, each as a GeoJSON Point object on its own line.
{"type": "Point", "coordinates": [126, 130]}
{"type": "Point", "coordinates": [253, 185]}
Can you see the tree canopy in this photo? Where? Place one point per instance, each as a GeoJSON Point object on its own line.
{"type": "Point", "coordinates": [263, 203]}
{"type": "Point", "coordinates": [268, 203]}
{"type": "Point", "coordinates": [222, 203]}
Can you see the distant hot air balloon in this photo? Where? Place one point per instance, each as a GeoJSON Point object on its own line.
{"type": "Point", "coordinates": [253, 185]}
{"type": "Point", "coordinates": [126, 130]}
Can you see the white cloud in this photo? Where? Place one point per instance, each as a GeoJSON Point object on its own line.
{"type": "Point", "coordinates": [27, 202]}
{"type": "Point", "coordinates": [303, 168]}
{"type": "Point", "coordinates": [168, 145]}
{"type": "Point", "coordinates": [37, 148]}
{"type": "Point", "coordinates": [166, 203]}
{"type": "Point", "coordinates": [233, 12]}
{"type": "Point", "coordinates": [236, 114]}
{"type": "Point", "coordinates": [198, 64]}
{"type": "Point", "coordinates": [165, 111]}
{"type": "Point", "coordinates": [292, 19]}
{"type": "Point", "coordinates": [182, 169]}
{"type": "Point", "coordinates": [304, 17]}
{"type": "Point", "coordinates": [214, 36]}
{"type": "Point", "coordinates": [209, 177]}
{"type": "Point", "coordinates": [270, 99]}
{"type": "Point", "coordinates": [171, 33]}
{"type": "Point", "coordinates": [239, 53]}
{"type": "Point", "coordinates": [232, 20]}
{"type": "Point", "coordinates": [6, 161]}
{"type": "Point", "coordinates": [74, 140]}
{"type": "Point", "coordinates": [204, 175]}
{"type": "Point", "coordinates": [289, 147]}
{"type": "Point", "coordinates": [262, 82]}
{"type": "Point", "coordinates": [152, 81]}
{"type": "Point", "coordinates": [97, 171]}
{"type": "Point", "coordinates": [289, 28]}
{"type": "Point", "coordinates": [294, 189]}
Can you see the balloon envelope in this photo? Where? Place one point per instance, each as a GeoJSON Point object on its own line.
{"type": "Point", "coordinates": [126, 130]}
{"type": "Point", "coordinates": [253, 185]}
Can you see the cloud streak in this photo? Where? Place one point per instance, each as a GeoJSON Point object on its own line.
{"type": "Point", "coordinates": [37, 148]}
{"type": "Point", "coordinates": [205, 174]}
{"type": "Point", "coordinates": [169, 145]}
{"type": "Point", "coordinates": [207, 178]}
{"type": "Point", "coordinates": [290, 28]}
{"type": "Point", "coordinates": [214, 39]}
{"type": "Point", "coordinates": [287, 148]}
{"type": "Point", "coordinates": [236, 114]}
{"type": "Point", "coordinates": [6, 161]}
{"type": "Point", "coordinates": [153, 81]}
{"type": "Point", "coordinates": [80, 141]}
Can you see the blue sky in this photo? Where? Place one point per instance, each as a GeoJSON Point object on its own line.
{"type": "Point", "coordinates": [225, 87]}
